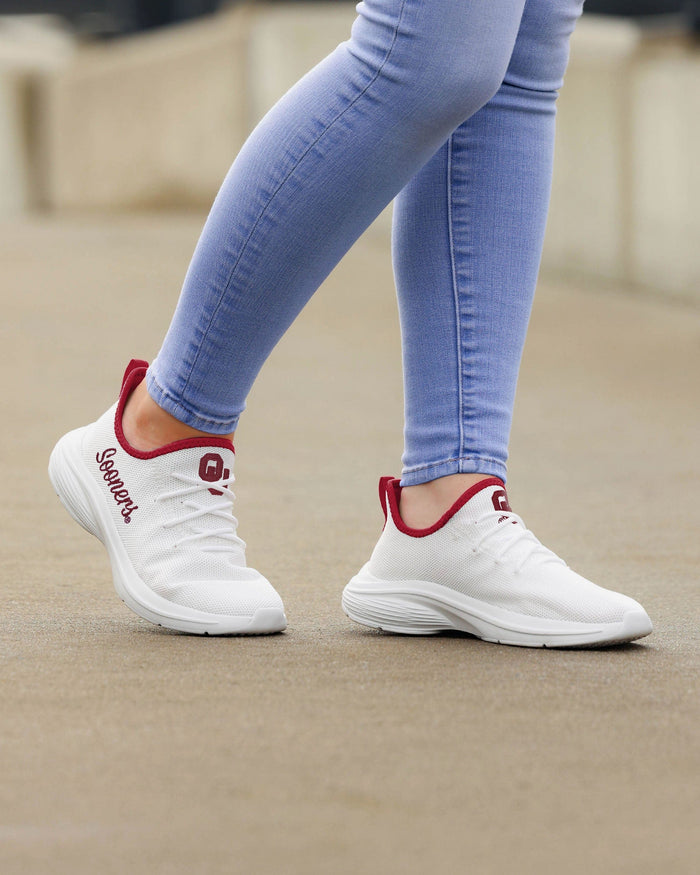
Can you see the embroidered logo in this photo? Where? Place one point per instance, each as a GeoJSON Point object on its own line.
{"type": "Point", "coordinates": [500, 502]}
{"type": "Point", "coordinates": [211, 470]}
{"type": "Point", "coordinates": [115, 484]}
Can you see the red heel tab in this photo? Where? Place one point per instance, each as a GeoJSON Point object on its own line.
{"type": "Point", "coordinates": [383, 490]}
{"type": "Point", "coordinates": [134, 365]}
{"type": "Point", "coordinates": [390, 504]}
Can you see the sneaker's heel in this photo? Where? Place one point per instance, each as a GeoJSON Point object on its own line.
{"type": "Point", "coordinates": [375, 605]}
{"type": "Point", "coordinates": [64, 467]}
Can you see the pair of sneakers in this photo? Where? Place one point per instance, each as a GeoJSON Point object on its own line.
{"type": "Point", "coordinates": [167, 522]}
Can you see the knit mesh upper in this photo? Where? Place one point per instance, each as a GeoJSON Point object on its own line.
{"type": "Point", "coordinates": [205, 573]}
{"type": "Point", "coordinates": [489, 555]}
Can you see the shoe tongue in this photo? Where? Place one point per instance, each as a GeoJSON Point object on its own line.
{"type": "Point", "coordinates": [491, 496]}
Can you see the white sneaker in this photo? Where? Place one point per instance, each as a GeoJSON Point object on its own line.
{"type": "Point", "coordinates": [166, 520]}
{"type": "Point", "coordinates": [480, 570]}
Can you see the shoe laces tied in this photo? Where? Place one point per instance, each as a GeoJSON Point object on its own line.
{"type": "Point", "coordinates": [511, 531]}
{"type": "Point", "coordinates": [222, 509]}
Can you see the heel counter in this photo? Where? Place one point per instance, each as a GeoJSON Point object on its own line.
{"type": "Point", "coordinates": [385, 546]}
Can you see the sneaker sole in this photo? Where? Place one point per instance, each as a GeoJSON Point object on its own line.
{"type": "Point", "coordinates": [83, 500]}
{"type": "Point", "coordinates": [416, 607]}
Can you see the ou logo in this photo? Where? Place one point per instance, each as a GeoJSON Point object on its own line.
{"type": "Point", "coordinates": [500, 500]}
{"type": "Point", "coordinates": [211, 470]}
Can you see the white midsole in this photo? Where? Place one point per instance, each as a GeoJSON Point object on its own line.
{"type": "Point", "coordinates": [419, 607]}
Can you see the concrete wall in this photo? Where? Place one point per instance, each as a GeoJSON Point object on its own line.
{"type": "Point", "coordinates": [32, 49]}
{"type": "Point", "coordinates": [626, 194]}
{"type": "Point", "coordinates": [665, 185]}
{"type": "Point", "coordinates": [589, 220]}
{"type": "Point", "coordinates": [155, 120]}
{"type": "Point", "coordinates": [149, 121]}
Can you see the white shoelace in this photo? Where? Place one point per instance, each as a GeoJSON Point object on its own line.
{"type": "Point", "coordinates": [512, 531]}
{"type": "Point", "coordinates": [222, 509]}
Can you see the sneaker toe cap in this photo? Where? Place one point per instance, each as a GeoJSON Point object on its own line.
{"type": "Point", "coordinates": [234, 598]}
{"type": "Point", "coordinates": [567, 596]}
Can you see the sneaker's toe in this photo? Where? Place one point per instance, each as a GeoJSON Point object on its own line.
{"type": "Point", "coordinates": [636, 624]}
{"type": "Point", "coordinates": [223, 598]}
{"type": "Point", "coordinates": [248, 607]}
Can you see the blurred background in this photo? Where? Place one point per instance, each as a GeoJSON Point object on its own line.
{"type": "Point", "coordinates": [141, 105]}
{"type": "Point", "coordinates": [328, 749]}
{"type": "Point", "coordinates": [104, 18]}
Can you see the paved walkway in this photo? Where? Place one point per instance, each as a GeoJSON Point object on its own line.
{"type": "Point", "coordinates": [329, 749]}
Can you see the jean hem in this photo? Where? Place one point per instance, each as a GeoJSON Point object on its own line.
{"type": "Point", "coordinates": [184, 414]}
{"type": "Point", "coordinates": [464, 465]}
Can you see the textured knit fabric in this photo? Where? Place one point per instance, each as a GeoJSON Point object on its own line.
{"type": "Point", "coordinates": [487, 553]}
{"type": "Point", "coordinates": [173, 514]}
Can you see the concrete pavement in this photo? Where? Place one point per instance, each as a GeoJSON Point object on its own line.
{"type": "Point", "coordinates": [329, 749]}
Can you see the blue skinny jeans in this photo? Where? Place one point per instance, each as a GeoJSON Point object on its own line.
{"type": "Point", "coordinates": [447, 106]}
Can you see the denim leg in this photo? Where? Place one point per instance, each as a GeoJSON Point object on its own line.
{"type": "Point", "coordinates": [467, 239]}
{"type": "Point", "coordinates": [314, 174]}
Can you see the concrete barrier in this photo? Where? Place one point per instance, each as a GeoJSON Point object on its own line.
{"type": "Point", "coordinates": [589, 223]}
{"type": "Point", "coordinates": [151, 120]}
{"type": "Point", "coordinates": [31, 49]}
{"type": "Point", "coordinates": [13, 154]}
{"type": "Point", "coordinates": [626, 193]}
{"type": "Point", "coordinates": [155, 120]}
{"type": "Point", "coordinates": [665, 186]}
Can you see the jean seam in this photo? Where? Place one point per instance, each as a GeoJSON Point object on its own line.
{"type": "Point", "coordinates": [455, 293]}
{"type": "Point", "coordinates": [471, 457]}
{"type": "Point", "coordinates": [178, 404]}
{"type": "Point", "coordinates": [265, 208]}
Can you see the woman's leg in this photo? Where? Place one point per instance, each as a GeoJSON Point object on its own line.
{"type": "Point", "coordinates": [314, 174]}
{"type": "Point", "coordinates": [468, 233]}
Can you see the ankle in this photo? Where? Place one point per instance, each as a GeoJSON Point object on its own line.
{"type": "Point", "coordinates": [422, 505]}
{"type": "Point", "coordinates": [147, 426]}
